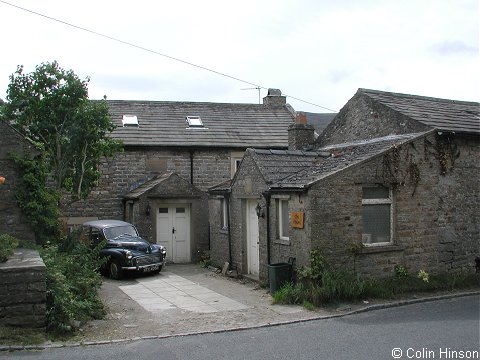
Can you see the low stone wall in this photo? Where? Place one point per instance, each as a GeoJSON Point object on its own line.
{"type": "Point", "coordinates": [23, 290]}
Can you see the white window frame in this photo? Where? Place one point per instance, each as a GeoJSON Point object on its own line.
{"type": "Point", "coordinates": [235, 160]}
{"type": "Point", "coordinates": [223, 214]}
{"type": "Point", "coordinates": [194, 121]}
{"type": "Point", "coordinates": [379, 201]}
{"type": "Point", "coordinates": [130, 121]}
{"type": "Point", "coordinates": [281, 205]}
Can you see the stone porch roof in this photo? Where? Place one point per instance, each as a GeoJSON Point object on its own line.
{"type": "Point", "coordinates": [148, 185]}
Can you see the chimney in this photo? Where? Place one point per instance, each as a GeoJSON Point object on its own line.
{"type": "Point", "coordinates": [274, 98]}
{"type": "Point", "coordinates": [300, 134]}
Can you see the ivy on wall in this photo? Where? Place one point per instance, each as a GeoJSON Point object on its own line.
{"type": "Point", "coordinates": [398, 171]}
{"type": "Point", "coordinates": [444, 149]}
{"type": "Point", "coordinates": [38, 203]}
{"type": "Point", "coordinates": [400, 167]}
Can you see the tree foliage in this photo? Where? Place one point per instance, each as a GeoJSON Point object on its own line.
{"type": "Point", "coordinates": [50, 106]}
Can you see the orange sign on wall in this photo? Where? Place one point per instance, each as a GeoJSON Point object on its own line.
{"type": "Point", "coordinates": [297, 220]}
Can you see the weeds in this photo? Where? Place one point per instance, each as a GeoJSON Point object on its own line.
{"type": "Point", "coordinates": [205, 259]}
{"type": "Point", "coordinates": [319, 284]}
{"type": "Point", "coordinates": [7, 245]}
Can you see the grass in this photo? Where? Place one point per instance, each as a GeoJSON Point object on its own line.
{"type": "Point", "coordinates": [338, 286]}
{"type": "Point", "coordinates": [21, 336]}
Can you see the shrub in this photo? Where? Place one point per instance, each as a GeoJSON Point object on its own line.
{"type": "Point", "coordinates": [72, 284]}
{"type": "Point", "coordinates": [7, 245]}
{"type": "Point", "coordinates": [314, 272]}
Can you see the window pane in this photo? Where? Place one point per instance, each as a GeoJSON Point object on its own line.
{"type": "Point", "coordinates": [285, 219]}
{"type": "Point", "coordinates": [163, 210]}
{"type": "Point", "coordinates": [379, 192]}
{"type": "Point", "coordinates": [180, 210]}
{"type": "Point", "coordinates": [376, 223]}
{"type": "Point", "coordinates": [223, 213]}
{"type": "Point", "coordinates": [113, 232]}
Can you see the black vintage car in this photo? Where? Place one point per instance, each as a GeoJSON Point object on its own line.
{"type": "Point", "coordinates": [124, 248]}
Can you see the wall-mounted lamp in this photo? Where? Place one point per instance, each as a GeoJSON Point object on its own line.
{"type": "Point", "coordinates": [259, 211]}
{"type": "Point", "coordinates": [147, 210]}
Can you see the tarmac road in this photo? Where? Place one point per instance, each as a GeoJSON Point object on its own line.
{"type": "Point", "coordinates": [188, 299]}
{"type": "Point", "coordinates": [441, 329]}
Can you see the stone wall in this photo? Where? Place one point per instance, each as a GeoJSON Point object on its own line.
{"type": "Point", "coordinates": [362, 118]}
{"type": "Point", "coordinates": [12, 221]}
{"type": "Point", "coordinates": [298, 245]}
{"type": "Point", "coordinates": [436, 212]}
{"type": "Point", "coordinates": [219, 237]}
{"type": "Point", "coordinates": [129, 169]}
{"type": "Point", "coordinates": [23, 290]}
{"type": "Point", "coordinates": [435, 217]}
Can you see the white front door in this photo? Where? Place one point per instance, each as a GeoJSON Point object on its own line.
{"type": "Point", "coordinates": [173, 231]}
{"type": "Point", "coordinates": [253, 252]}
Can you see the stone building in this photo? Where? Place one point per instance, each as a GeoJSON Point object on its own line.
{"type": "Point", "coordinates": [12, 222]}
{"type": "Point", "coordinates": [173, 152]}
{"type": "Point", "coordinates": [392, 180]}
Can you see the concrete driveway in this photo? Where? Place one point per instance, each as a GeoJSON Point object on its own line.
{"type": "Point", "coordinates": [188, 299]}
{"type": "Point", "coordinates": [185, 299]}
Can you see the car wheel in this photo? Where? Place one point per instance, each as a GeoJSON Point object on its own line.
{"type": "Point", "coordinates": [115, 270]}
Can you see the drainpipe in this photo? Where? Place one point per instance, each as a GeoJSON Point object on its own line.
{"type": "Point", "coordinates": [124, 208]}
{"type": "Point", "coordinates": [191, 166]}
{"type": "Point", "coordinates": [267, 197]}
{"type": "Point", "coordinates": [227, 199]}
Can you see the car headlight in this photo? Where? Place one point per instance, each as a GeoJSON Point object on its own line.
{"type": "Point", "coordinates": [128, 255]}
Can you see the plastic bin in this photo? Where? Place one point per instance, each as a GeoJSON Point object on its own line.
{"type": "Point", "coordinates": [278, 275]}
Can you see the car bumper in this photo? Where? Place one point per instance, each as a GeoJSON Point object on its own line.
{"type": "Point", "coordinates": [147, 267]}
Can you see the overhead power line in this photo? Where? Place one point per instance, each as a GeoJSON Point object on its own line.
{"type": "Point", "coordinates": [153, 51]}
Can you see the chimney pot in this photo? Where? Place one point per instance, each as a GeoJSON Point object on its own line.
{"type": "Point", "coordinates": [301, 118]}
{"type": "Point", "coordinates": [274, 98]}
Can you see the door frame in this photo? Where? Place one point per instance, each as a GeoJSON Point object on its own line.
{"type": "Point", "coordinates": [172, 205]}
{"type": "Point", "coordinates": [250, 213]}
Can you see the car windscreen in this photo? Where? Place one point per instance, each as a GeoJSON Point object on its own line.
{"type": "Point", "coordinates": [113, 232]}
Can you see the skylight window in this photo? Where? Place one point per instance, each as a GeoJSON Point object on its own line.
{"type": "Point", "coordinates": [194, 121]}
{"type": "Point", "coordinates": [130, 121]}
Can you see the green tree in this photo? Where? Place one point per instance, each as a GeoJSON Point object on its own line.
{"type": "Point", "coordinates": [50, 106]}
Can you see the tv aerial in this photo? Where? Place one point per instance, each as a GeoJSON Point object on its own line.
{"type": "Point", "coordinates": [255, 88]}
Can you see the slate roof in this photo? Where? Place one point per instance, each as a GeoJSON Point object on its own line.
{"type": "Point", "coordinates": [275, 165]}
{"type": "Point", "coordinates": [147, 186]}
{"type": "Point", "coordinates": [221, 188]}
{"type": "Point", "coordinates": [225, 125]}
{"type": "Point", "coordinates": [297, 170]}
{"type": "Point", "coordinates": [439, 114]}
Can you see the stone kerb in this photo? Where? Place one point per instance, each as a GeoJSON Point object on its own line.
{"type": "Point", "coordinates": [23, 290]}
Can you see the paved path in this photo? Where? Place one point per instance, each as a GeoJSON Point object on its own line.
{"type": "Point", "coordinates": [173, 291]}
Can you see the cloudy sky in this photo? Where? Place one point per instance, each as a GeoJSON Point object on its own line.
{"type": "Point", "coordinates": [318, 51]}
